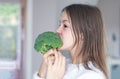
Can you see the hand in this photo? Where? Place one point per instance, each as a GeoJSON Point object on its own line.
{"type": "Point", "coordinates": [44, 64]}
{"type": "Point", "coordinates": [56, 70]}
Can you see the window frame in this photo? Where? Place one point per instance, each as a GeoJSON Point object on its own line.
{"type": "Point", "coordinates": [17, 63]}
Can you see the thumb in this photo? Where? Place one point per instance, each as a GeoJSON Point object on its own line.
{"type": "Point", "coordinates": [49, 62]}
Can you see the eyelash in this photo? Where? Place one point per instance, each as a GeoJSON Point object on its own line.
{"type": "Point", "coordinates": [65, 26]}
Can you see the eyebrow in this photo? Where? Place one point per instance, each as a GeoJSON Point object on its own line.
{"type": "Point", "coordinates": [65, 21]}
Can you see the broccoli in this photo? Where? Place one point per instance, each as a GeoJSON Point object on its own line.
{"type": "Point", "coordinates": [46, 41]}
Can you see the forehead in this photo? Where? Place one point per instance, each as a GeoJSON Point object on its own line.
{"type": "Point", "coordinates": [64, 16]}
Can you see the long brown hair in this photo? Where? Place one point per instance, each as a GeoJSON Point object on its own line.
{"type": "Point", "coordinates": [87, 20]}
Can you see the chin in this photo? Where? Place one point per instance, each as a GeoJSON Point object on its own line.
{"type": "Point", "coordinates": [62, 48]}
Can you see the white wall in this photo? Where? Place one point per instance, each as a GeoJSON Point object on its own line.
{"type": "Point", "coordinates": [44, 19]}
{"type": "Point", "coordinates": [111, 14]}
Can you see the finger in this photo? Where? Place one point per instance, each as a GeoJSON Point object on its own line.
{"type": "Point", "coordinates": [60, 58]}
{"type": "Point", "coordinates": [50, 52]}
{"type": "Point", "coordinates": [49, 62]}
{"type": "Point", "coordinates": [64, 61]}
{"type": "Point", "coordinates": [56, 57]}
{"type": "Point", "coordinates": [64, 64]}
{"type": "Point", "coordinates": [52, 59]}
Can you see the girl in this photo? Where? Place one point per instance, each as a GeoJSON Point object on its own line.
{"type": "Point", "coordinates": [81, 30]}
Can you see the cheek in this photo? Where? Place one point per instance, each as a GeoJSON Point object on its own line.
{"type": "Point", "coordinates": [68, 40]}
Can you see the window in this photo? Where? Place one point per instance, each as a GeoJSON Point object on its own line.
{"type": "Point", "coordinates": [10, 38]}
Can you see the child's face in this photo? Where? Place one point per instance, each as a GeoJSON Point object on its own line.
{"type": "Point", "coordinates": [65, 32]}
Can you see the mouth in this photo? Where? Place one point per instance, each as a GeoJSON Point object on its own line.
{"type": "Point", "coordinates": [59, 35]}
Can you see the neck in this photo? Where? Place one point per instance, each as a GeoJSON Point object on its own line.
{"type": "Point", "coordinates": [75, 59]}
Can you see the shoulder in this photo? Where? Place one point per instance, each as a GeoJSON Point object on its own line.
{"type": "Point", "coordinates": [94, 73]}
{"type": "Point", "coordinates": [89, 74]}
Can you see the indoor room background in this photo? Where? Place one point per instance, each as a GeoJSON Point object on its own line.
{"type": "Point", "coordinates": [22, 20]}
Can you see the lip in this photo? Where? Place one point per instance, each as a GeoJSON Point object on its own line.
{"type": "Point", "coordinates": [60, 36]}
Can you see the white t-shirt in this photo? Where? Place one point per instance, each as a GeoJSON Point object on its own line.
{"type": "Point", "coordinates": [75, 72]}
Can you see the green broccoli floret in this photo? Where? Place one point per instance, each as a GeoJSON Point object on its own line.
{"type": "Point", "coordinates": [46, 41]}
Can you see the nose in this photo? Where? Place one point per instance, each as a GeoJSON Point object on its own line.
{"type": "Point", "coordinates": [59, 30]}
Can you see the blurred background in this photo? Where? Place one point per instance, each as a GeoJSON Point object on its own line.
{"type": "Point", "coordinates": [22, 20]}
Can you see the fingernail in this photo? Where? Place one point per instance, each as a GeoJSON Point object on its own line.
{"type": "Point", "coordinates": [57, 49]}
